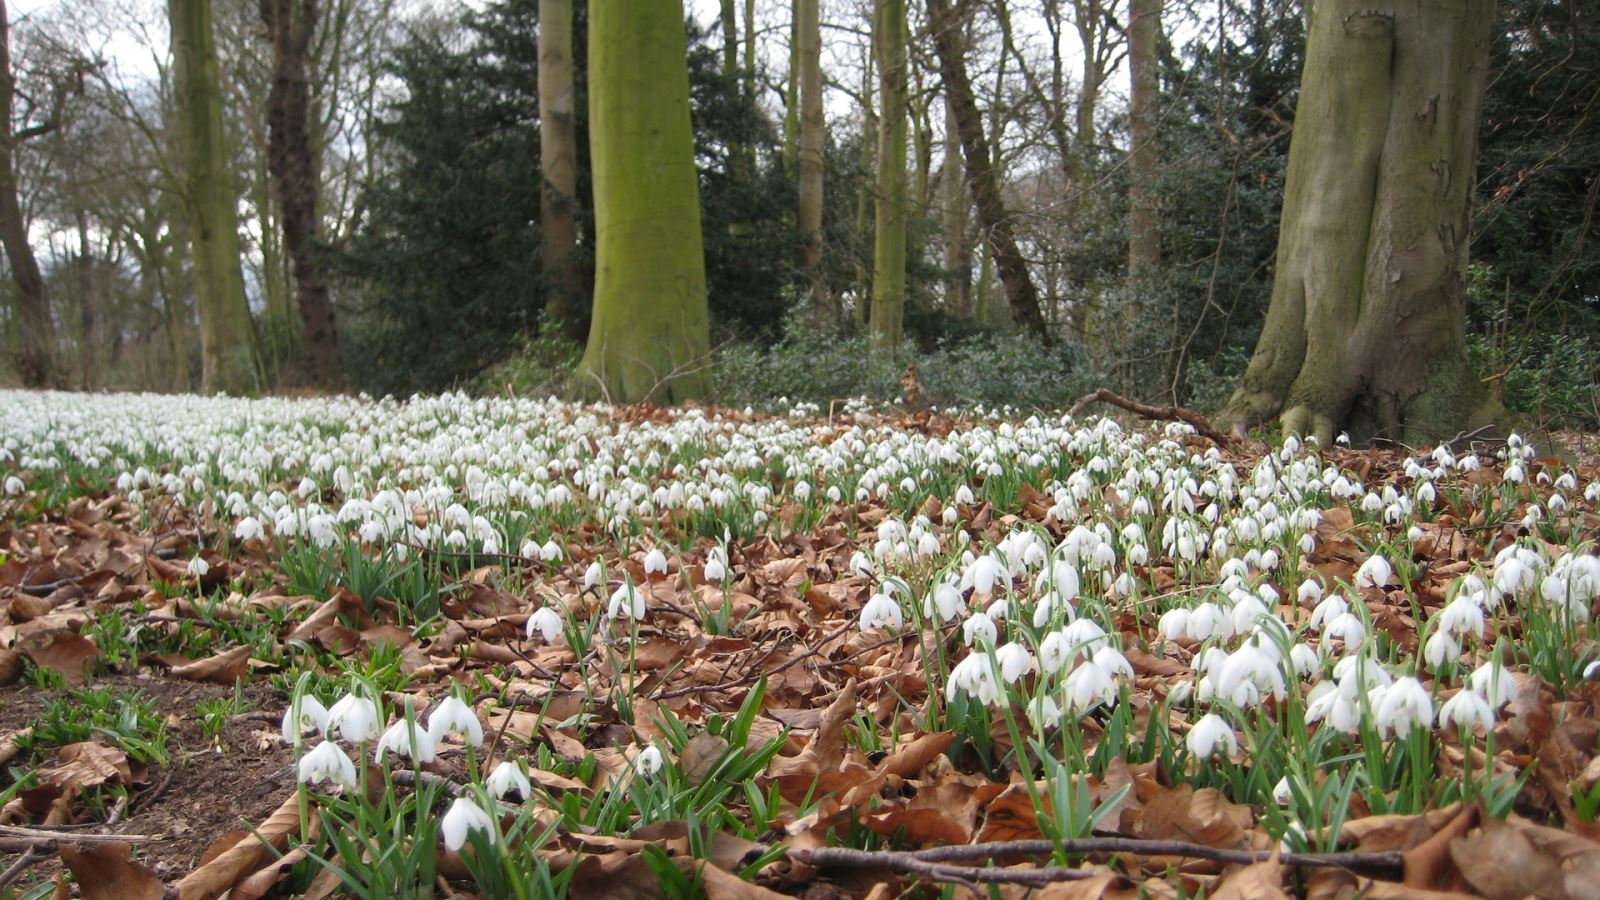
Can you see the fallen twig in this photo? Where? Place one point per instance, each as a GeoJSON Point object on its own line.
{"type": "Point", "coordinates": [27, 860]}
{"type": "Point", "coordinates": [930, 862]}
{"type": "Point", "coordinates": [1161, 413]}
{"type": "Point", "coordinates": [16, 837]}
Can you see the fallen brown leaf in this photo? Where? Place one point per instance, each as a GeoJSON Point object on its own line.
{"type": "Point", "coordinates": [103, 871]}
{"type": "Point", "coordinates": [226, 667]}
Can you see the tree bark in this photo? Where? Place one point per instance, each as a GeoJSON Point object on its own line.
{"type": "Point", "coordinates": [291, 158]}
{"type": "Point", "coordinates": [1144, 236]}
{"type": "Point", "coordinates": [558, 165]}
{"type": "Point", "coordinates": [956, 203]}
{"type": "Point", "coordinates": [889, 243]}
{"type": "Point", "coordinates": [791, 96]}
{"type": "Point", "coordinates": [37, 362]}
{"type": "Point", "coordinates": [865, 194]}
{"type": "Point", "coordinates": [993, 218]}
{"type": "Point", "coordinates": [227, 351]}
{"type": "Point", "coordinates": [812, 139]}
{"type": "Point", "coordinates": [649, 336]}
{"type": "Point", "coordinates": [1366, 328]}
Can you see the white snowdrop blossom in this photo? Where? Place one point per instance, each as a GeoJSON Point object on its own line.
{"type": "Point", "coordinates": [463, 816]}
{"type": "Point", "coordinates": [655, 562]}
{"type": "Point", "coordinates": [405, 739]}
{"type": "Point", "coordinates": [626, 601]}
{"type": "Point", "coordinates": [1015, 661]}
{"type": "Point", "coordinates": [976, 678]}
{"type": "Point", "coordinates": [648, 762]}
{"type": "Point", "coordinates": [452, 716]}
{"type": "Point", "coordinates": [14, 486]}
{"type": "Point", "coordinates": [198, 567]}
{"type": "Point", "coordinates": [1467, 709]}
{"type": "Point", "coordinates": [1210, 734]}
{"type": "Point", "coordinates": [979, 625]}
{"type": "Point", "coordinates": [546, 623]}
{"type": "Point", "coordinates": [1405, 705]}
{"type": "Point", "coordinates": [326, 762]}
{"type": "Point", "coordinates": [356, 719]}
{"type": "Point", "coordinates": [508, 777]}
{"type": "Point", "coordinates": [881, 611]}
{"type": "Point", "coordinates": [1374, 573]}
{"type": "Point", "coordinates": [313, 719]}
{"type": "Point", "coordinates": [248, 529]}
{"type": "Point", "coordinates": [1089, 684]}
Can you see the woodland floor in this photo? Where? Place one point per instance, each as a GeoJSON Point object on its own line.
{"type": "Point", "coordinates": [68, 566]}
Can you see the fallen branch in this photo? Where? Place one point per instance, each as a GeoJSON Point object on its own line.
{"type": "Point", "coordinates": [1159, 413]}
{"type": "Point", "coordinates": [16, 837]}
{"type": "Point", "coordinates": [933, 862]}
{"type": "Point", "coordinates": [30, 857]}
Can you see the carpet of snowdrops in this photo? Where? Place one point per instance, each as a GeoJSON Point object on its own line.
{"type": "Point", "coordinates": [524, 647]}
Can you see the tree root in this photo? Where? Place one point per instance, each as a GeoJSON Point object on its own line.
{"type": "Point", "coordinates": [1159, 413]}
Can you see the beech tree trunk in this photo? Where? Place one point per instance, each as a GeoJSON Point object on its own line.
{"type": "Point", "coordinates": [812, 137]}
{"type": "Point", "coordinates": [1366, 328]}
{"type": "Point", "coordinates": [889, 243]}
{"type": "Point", "coordinates": [227, 348]}
{"type": "Point", "coordinates": [37, 362]}
{"type": "Point", "coordinates": [558, 167]}
{"type": "Point", "coordinates": [1144, 236]}
{"type": "Point", "coordinates": [650, 335]}
{"type": "Point", "coordinates": [993, 218]}
{"type": "Point", "coordinates": [291, 158]}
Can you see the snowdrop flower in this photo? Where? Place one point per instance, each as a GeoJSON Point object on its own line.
{"type": "Point", "coordinates": [248, 529]}
{"type": "Point", "coordinates": [551, 551]}
{"type": "Point", "coordinates": [1327, 701]}
{"type": "Point", "coordinates": [407, 739]}
{"type": "Point", "coordinates": [648, 762]}
{"type": "Point", "coordinates": [591, 575]}
{"type": "Point", "coordinates": [1467, 709]}
{"type": "Point", "coordinates": [860, 565]}
{"type": "Point", "coordinates": [1405, 705]}
{"type": "Point", "coordinates": [1283, 791]}
{"type": "Point", "coordinates": [986, 573]}
{"type": "Point", "coordinates": [545, 622]}
{"type": "Point", "coordinates": [198, 567]}
{"type": "Point", "coordinates": [1310, 591]}
{"type": "Point", "coordinates": [716, 568]}
{"type": "Point", "coordinates": [1056, 653]}
{"type": "Point", "coordinates": [326, 762]}
{"type": "Point", "coordinates": [1462, 616]}
{"type": "Point", "coordinates": [452, 716]}
{"type": "Point", "coordinates": [1209, 735]}
{"type": "Point", "coordinates": [1090, 684]}
{"type": "Point", "coordinates": [1330, 608]}
{"type": "Point", "coordinates": [945, 601]}
{"type": "Point", "coordinates": [1208, 621]}
{"type": "Point", "coordinates": [1441, 649]}
{"type": "Point", "coordinates": [974, 677]}
{"type": "Point", "coordinates": [655, 562]}
{"type": "Point", "coordinates": [464, 816]}
{"type": "Point", "coordinates": [313, 718]}
{"type": "Point", "coordinates": [626, 601]}
{"type": "Point", "coordinates": [1174, 623]}
{"type": "Point", "coordinates": [1494, 682]}
{"type": "Point", "coordinates": [881, 611]}
{"type": "Point", "coordinates": [1305, 660]}
{"type": "Point", "coordinates": [1514, 474]}
{"type": "Point", "coordinates": [14, 486]}
{"type": "Point", "coordinates": [1014, 660]}
{"type": "Point", "coordinates": [1375, 572]}
{"type": "Point", "coordinates": [979, 625]}
{"type": "Point", "coordinates": [355, 717]}
{"type": "Point", "coordinates": [1043, 713]}
{"type": "Point", "coordinates": [508, 777]}
{"type": "Point", "coordinates": [1348, 628]}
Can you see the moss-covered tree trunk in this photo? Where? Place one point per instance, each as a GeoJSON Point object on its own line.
{"type": "Point", "coordinates": [227, 346]}
{"type": "Point", "coordinates": [37, 361]}
{"type": "Point", "coordinates": [1144, 236]}
{"type": "Point", "coordinates": [558, 167]}
{"type": "Point", "coordinates": [864, 195]}
{"type": "Point", "coordinates": [1366, 329]}
{"type": "Point", "coordinates": [889, 243]}
{"type": "Point", "coordinates": [649, 336]}
{"type": "Point", "coordinates": [812, 138]}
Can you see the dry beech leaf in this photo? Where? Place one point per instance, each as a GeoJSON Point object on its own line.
{"type": "Point", "coordinates": [700, 755]}
{"type": "Point", "coordinates": [66, 652]}
{"type": "Point", "coordinates": [1502, 864]}
{"type": "Point", "coordinates": [219, 875]}
{"type": "Point", "coordinates": [10, 666]}
{"type": "Point", "coordinates": [266, 878]}
{"type": "Point", "coordinates": [224, 668]}
{"type": "Point", "coordinates": [88, 764]}
{"type": "Point", "coordinates": [1257, 881]}
{"type": "Point", "coordinates": [11, 744]}
{"type": "Point", "coordinates": [104, 872]}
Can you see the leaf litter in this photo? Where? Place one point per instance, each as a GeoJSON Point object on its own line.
{"type": "Point", "coordinates": [870, 803]}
